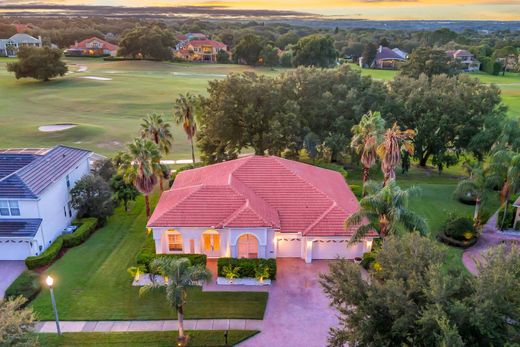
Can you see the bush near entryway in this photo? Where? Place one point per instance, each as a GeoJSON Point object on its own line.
{"type": "Point", "coordinates": [46, 257]}
{"type": "Point", "coordinates": [86, 227]}
{"type": "Point", "coordinates": [247, 267]}
{"type": "Point", "coordinates": [27, 285]}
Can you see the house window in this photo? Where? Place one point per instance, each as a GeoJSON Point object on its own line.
{"type": "Point", "coordinates": [65, 210]}
{"type": "Point", "coordinates": [70, 209]}
{"type": "Point", "coordinates": [9, 208]}
{"type": "Point", "coordinates": [175, 242]}
{"type": "Point", "coordinates": [68, 181]}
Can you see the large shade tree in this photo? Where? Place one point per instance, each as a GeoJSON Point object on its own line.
{"type": "Point", "coordinates": [152, 41]}
{"type": "Point", "coordinates": [366, 137]}
{"type": "Point", "coordinates": [389, 151]}
{"type": "Point", "coordinates": [178, 275]}
{"type": "Point", "coordinates": [385, 210]}
{"type": "Point", "coordinates": [38, 63]}
{"type": "Point", "coordinates": [184, 113]}
{"type": "Point", "coordinates": [141, 169]}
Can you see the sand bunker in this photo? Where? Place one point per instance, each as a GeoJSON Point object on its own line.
{"type": "Point", "coordinates": [180, 161]}
{"type": "Point", "coordinates": [97, 78]}
{"type": "Point", "coordinates": [56, 127]}
{"type": "Point", "coordinates": [82, 68]}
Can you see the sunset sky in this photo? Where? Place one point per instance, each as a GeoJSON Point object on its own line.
{"type": "Point", "coordinates": [370, 9]}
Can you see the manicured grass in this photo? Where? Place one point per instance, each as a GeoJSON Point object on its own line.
{"type": "Point", "coordinates": [92, 282]}
{"type": "Point", "coordinates": [108, 112]}
{"type": "Point", "coordinates": [214, 338]}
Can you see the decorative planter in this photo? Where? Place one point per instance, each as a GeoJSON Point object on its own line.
{"type": "Point", "coordinates": [247, 281]}
{"type": "Point", "coordinates": [358, 260]}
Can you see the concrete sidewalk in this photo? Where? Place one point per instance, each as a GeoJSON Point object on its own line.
{"type": "Point", "coordinates": [149, 325]}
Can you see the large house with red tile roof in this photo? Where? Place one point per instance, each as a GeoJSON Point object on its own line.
{"type": "Point", "coordinates": [466, 59]}
{"type": "Point", "coordinates": [197, 47]}
{"type": "Point", "coordinates": [257, 207]}
{"type": "Point", "coordinates": [91, 47]}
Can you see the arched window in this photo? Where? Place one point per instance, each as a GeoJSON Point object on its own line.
{"type": "Point", "coordinates": [247, 246]}
{"type": "Point", "coordinates": [174, 241]}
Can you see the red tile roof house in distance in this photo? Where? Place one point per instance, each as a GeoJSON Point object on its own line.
{"type": "Point", "coordinates": [93, 46]}
{"type": "Point", "coordinates": [257, 206]}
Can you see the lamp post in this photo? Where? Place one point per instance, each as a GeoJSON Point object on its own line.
{"type": "Point", "coordinates": [50, 281]}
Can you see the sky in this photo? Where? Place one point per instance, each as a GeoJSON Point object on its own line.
{"type": "Point", "coordinates": [368, 9]}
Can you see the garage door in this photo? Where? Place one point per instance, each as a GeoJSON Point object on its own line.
{"type": "Point", "coordinates": [289, 248]}
{"type": "Point", "coordinates": [327, 249]}
{"type": "Point", "coordinates": [14, 250]}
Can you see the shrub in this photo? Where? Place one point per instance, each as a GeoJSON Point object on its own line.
{"type": "Point", "coordinates": [467, 199]}
{"type": "Point", "coordinates": [147, 255]}
{"type": "Point", "coordinates": [357, 190]}
{"type": "Point", "coordinates": [247, 267]}
{"type": "Point", "coordinates": [459, 228]}
{"type": "Point", "coordinates": [86, 228]}
{"type": "Point", "coordinates": [510, 217]}
{"type": "Point", "coordinates": [46, 257]}
{"type": "Point", "coordinates": [368, 259]}
{"type": "Point", "coordinates": [27, 285]}
{"type": "Point", "coordinates": [457, 243]}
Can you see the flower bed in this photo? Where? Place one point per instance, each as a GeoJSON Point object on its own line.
{"type": "Point", "coordinates": [247, 268]}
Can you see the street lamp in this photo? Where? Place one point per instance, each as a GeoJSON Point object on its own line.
{"type": "Point", "coordinates": [50, 281]}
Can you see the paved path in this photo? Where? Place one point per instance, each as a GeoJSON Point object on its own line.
{"type": "Point", "coordinates": [490, 237]}
{"type": "Point", "coordinates": [147, 325]}
{"type": "Point", "coordinates": [298, 312]}
{"type": "Point", "coordinates": [9, 271]}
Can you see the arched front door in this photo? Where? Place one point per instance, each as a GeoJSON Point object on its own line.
{"type": "Point", "coordinates": [247, 246]}
{"type": "Point", "coordinates": [211, 243]}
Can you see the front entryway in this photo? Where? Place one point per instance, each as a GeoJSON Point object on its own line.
{"type": "Point", "coordinates": [247, 246]}
{"type": "Point", "coordinates": [211, 243]}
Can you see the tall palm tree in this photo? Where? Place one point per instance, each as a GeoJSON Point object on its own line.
{"type": "Point", "coordinates": [157, 130]}
{"type": "Point", "coordinates": [475, 186]}
{"type": "Point", "coordinates": [142, 168]}
{"type": "Point", "coordinates": [179, 274]}
{"type": "Point", "coordinates": [184, 112]}
{"type": "Point", "coordinates": [367, 135]}
{"type": "Point", "coordinates": [504, 171]}
{"type": "Point", "coordinates": [385, 210]}
{"type": "Point", "coordinates": [389, 151]}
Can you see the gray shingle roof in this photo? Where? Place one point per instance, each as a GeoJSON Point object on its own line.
{"type": "Point", "coordinates": [19, 227]}
{"type": "Point", "coordinates": [10, 163]}
{"type": "Point", "coordinates": [30, 180]}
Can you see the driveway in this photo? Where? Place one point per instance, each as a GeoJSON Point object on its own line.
{"type": "Point", "coordinates": [9, 271]}
{"type": "Point", "coordinates": [298, 312]}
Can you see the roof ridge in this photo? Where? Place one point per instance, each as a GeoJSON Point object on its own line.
{"type": "Point", "coordinates": [320, 218]}
{"type": "Point", "coordinates": [280, 161]}
{"type": "Point", "coordinates": [198, 187]}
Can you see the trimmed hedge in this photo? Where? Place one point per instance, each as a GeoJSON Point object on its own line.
{"type": "Point", "coordinates": [247, 266]}
{"type": "Point", "coordinates": [147, 255]}
{"type": "Point", "coordinates": [81, 234]}
{"type": "Point", "coordinates": [46, 257]}
{"type": "Point", "coordinates": [27, 285]}
{"type": "Point", "coordinates": [459, 228]}
{"type": "Point", "coordinates": [456, 243]}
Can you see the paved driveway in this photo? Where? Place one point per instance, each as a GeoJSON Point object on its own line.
{"type": "Point", "coordinates": [297, 312]}
{"type": "Point", "coordinates": [9, 270]}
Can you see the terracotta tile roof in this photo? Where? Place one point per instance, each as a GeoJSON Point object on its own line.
{"type": "Point", "coordinates": [257, 191]}
{"type": "Point", "coordinates": [105, 45]}
{"type": "Point", "coordinates": [196, 43]}
{"type": "Point", "coordinates": [517, 202]}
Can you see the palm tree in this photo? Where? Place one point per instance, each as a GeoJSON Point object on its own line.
{"type": "Point", "coordinates": [157, 130]}
{"type": "Point", "coordinates": [385, 210]}
{"type": "Point", "coordinates": [475, 186]}
{"type": "Point", "coordinates": [389, 151]}
{"type": "Point", "coordinates": [504, 171]}
{"type": "Point", "coordinates": [367, 135]}
{"type": "Point", "coordinates": [142, 168]}
{"type": "Point", "coordinates": [179, 274]}
{"type": "Point", "coordinates": [184, 112]}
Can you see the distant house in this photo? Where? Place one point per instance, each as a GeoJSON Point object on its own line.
{"type": "Point", "coordinates": [387, 58]}
{"type": "Point", "coordinates": [92, 47]}
{"type": "Point", "coordinates": [400, 53]}
{"type": "Point", "coordinates": [9, 47]}
{"type": "Point", "coordinates": [197, 47]}
{"type": "Point", "coordinates": [34, 197]}
{"type": "Point", "coordinates": [466, 58]}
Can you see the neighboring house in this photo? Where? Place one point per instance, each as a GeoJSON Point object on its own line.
{"type": "Point", "coordinates": [9, 47]}
{"type": "Point", "coordinates": [257, 207]}
{"type": "Point", "coordinates": [386, 58]}
{"type": "Point", "coordinates": [400, 53]}
{"type": "Point", "coordinates": [466, 58]}
{"type": "Point", "coordinates": [92, 47]}
{"type": "Point", "coordinates": [34, 197]}
{"type": "Point", "coordinates": [197, 47]}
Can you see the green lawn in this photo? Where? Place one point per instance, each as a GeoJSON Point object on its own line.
{"type": "Point", "coordinates": [92, 282]}
{"type": "Point", "coordinates": [435, 201]}
{"type": "Point", "coordinates": [141, 339]}
{"type": "Point", "coordinates": [108, 113]}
